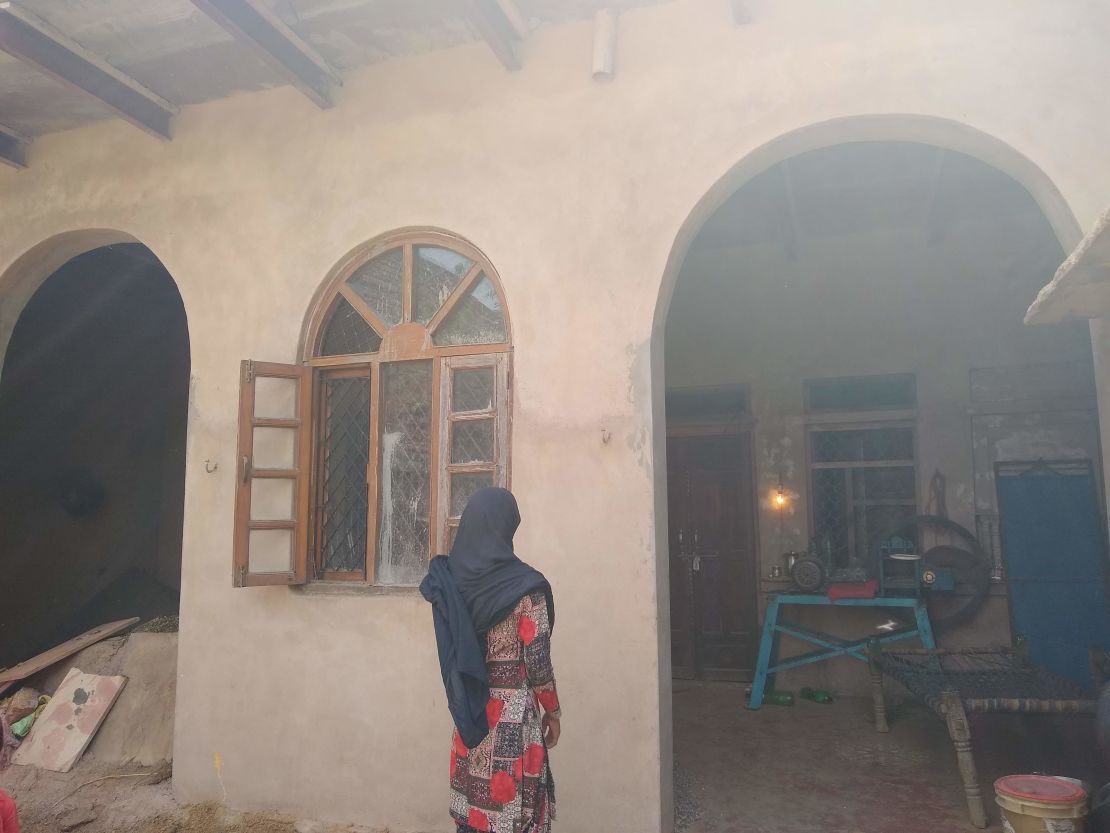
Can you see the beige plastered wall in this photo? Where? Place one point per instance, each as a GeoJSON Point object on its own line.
{"type": "Point", "coordinates": [584, 197]}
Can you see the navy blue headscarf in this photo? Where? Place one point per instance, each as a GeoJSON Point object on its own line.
{"type": "Point", "coordinates": [490, 577]}
{"type": "Point", "coordinates": [470, 592]}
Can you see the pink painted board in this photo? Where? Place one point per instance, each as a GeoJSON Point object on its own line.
{"type": "Point", "coordinates": [69, 721]}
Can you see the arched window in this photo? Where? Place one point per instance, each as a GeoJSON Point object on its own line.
{"type": "Point", "coordinates": [356, 464]}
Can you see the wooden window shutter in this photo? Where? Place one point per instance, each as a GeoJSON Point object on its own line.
{"type": "Point", "coordinates": [274, 463]}
{"type": "Point", "coordinates": [474, 438]}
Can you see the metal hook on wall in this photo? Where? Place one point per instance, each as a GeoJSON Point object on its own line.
{"type": "Point", "coordinates": [210, 466]}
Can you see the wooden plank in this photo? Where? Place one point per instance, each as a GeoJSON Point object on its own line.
{"type": "Point", "coordinates": [69, 721]}
{"type": "Point", "coordinates": [252, 23]}
{"type": "Point", "coordinates": [44, 660]}
{"type": "Point", "coordinates": [34, 41]}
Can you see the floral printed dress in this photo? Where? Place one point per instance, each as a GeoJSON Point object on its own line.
{"type": "Point", "coordinates": [504, 784]}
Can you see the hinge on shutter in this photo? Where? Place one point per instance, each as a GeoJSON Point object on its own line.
{"type": "Point", "coordinates": [248, 371]}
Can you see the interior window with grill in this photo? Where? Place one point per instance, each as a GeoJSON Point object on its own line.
{"type": "Point", "coordinates": [398, 414]}
{"type": "Point", "coordinates": [863, 489]}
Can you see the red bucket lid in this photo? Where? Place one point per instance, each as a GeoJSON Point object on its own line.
{"type": "Point", "coordinates": [1040, 788]}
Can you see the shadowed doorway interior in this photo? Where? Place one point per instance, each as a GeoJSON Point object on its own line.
{"type": "Point", "coordinates": [93, 412]}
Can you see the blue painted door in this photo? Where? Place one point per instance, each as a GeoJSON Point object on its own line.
{"type": "Point", "coordinates": [1053, 544]}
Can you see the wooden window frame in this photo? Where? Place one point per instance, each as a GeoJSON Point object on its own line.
{"type": "Point", "coordinates": [320, 378]}
{"type": "Point", "coordinates": [447, 419]}
{"type": "Point", "coordinates": [246, 474]}
{"type": "Point", "coordinates": [406, 341]}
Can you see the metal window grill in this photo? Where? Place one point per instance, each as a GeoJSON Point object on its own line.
{"type": "Point", "coordinates": [344, 452]}
{"type": "Point", "coordinates": [863, 485]}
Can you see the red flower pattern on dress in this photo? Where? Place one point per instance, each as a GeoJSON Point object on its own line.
{"type": "Point", "coordinates": [502, 788]}
{"type": "Point", "coordinates": [533, 759]}
{"type": "Point", "coordinates": [549, 700]}
{"type": "Point", "coordinates": [493, 711]}
{"type": "Point", "coordinates": [504, 784]}
{"type": "Point", "coordinates": [527, 630]}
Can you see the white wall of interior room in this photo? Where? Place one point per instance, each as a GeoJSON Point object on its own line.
{"type": "Point", "coordinates": [584, 197]}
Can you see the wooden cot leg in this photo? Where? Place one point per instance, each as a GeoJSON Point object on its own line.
{"type": "Point", "coordinates": [873, 651]}
{"type": "Point", "coordinates": [960, 732]}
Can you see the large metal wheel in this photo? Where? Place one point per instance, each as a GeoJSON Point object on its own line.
{"type": "Point", "coordinates": [947, 547]}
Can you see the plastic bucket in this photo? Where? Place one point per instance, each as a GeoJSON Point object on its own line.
{"type": "Point", "coordinates": [1041, 804]}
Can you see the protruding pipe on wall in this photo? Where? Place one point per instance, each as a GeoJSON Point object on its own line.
{"type": "Point", "coordinates": [605, 44]}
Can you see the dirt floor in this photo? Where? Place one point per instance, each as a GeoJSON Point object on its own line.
{"type": "Point", "coordinates": [824, 769]}
{"type": "Point", "coordinates": [96, 800]}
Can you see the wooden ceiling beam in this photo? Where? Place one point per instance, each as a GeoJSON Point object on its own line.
{"type": "Point", "coordinates": [32, 40]}
{"type": "Point", "coordinates": [251, 22]}
{"type": "Point", "coordinates": [13, 148]}
{"type": "Point", "coordinates": [496, 27]}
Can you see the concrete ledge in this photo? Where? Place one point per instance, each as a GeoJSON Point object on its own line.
{"type": "Point", "coordinates": [1081, 286]}
{"type": "Point", "coordinates": [353, 588]}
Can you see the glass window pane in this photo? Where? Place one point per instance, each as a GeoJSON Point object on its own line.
{"type": "Point", "coordinates": [863, 445]}
{"type": "Point", "coordinates": [463, 486]}
{"type": "Point", "coordinates": [862, 393]}
{"type": "Point", "coordinates": [270, 551]}
{"type": "Point", "coordinates": [472, 390]}
{"type": "Point", "coordinates": [435, 274]}
{"type": "Point", "coordinates": [406, 465]}
{"type": "Point", "coordinates": [274, 448]}
{"type": "Point", "coordinates": [344, 450]}
{"type": "Point", "coordinates": [831, 510]}
{"type": "Point", "coordinates": [896, 483]}
{"type": "Point", "coordinates": [347, 332]}
{"type": "Point", "coordinates": [472, 441]}
{"type": "Point", "coordinates": [477, 319]}
{"type": "Point", "coordinates": [380, 283]}
{"type": "Point", "coordinates": [272, 499]}
{"type": "Point", "coordinates": [275, 397]}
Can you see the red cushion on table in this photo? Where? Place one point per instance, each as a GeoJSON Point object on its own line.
{"type": "Point", "coordinates": [854, 590]}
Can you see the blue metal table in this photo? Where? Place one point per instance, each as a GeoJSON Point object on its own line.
{"type": "Point", "coordinates": [828, 646]}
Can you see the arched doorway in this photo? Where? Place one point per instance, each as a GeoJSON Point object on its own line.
{"type": "Point", "coordinates": [93, 413]}
{"type": "Point", "coordinates": [845, 333]}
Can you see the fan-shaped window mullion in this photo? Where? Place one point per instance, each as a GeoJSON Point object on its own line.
{"type": "Point", "coordinates": [460, 292]}
{"type": "Point", "coordinates": [363, 309]}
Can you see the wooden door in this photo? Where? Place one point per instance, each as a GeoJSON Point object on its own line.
{"type": "Point", "coordinates": [713, 576]}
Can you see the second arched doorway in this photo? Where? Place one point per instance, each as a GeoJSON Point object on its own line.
{"type": "Point", "coordinates": [845, 349]}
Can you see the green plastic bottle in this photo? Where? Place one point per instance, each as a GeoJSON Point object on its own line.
{"type": "Point", "coordinates": [816, 695]}
{"type": "Point", "coordinates": [778, 698]}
